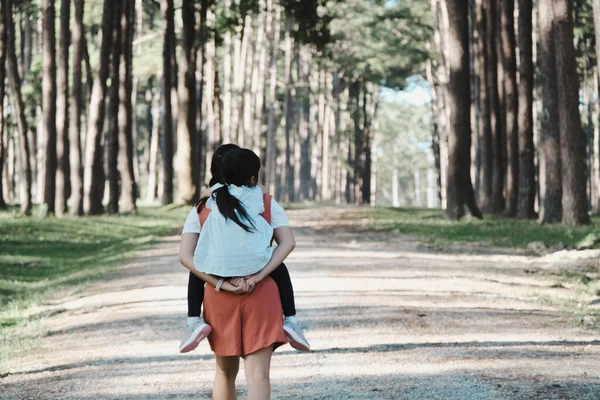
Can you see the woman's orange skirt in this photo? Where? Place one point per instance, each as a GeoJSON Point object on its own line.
{"type": "Point", "coordinates": [243, 324]}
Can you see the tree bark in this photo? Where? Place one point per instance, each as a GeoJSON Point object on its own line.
{"type": "Point", "coordinates": [485, 141]}
{"type": "Point", "coordinates": [460, 189]}
{"type": "Point", "coordinates": [154, 145]}
{"type": "Point", "coordinates": [49, 104]}
{"type": "Point", "coordinates": [3, 38]}
{"type": "Point", "coordinates": [112, 136]}
{"type": "Point", "coordinates": [272, 32]}
{"type": "Point", "coordinates": [257, 88]}
{"type": "Point", "coordinates": [19, 110]}
{"type": "Point", "coordinates": [497, 196]}
{"type": "Point", "coordinates": [167, 10]}
{"type": "Point", "coordinates": [128, 190]}
{"type": "Point", "coordinates": [186, 123]}
{"type": "Point", "coordinates": [289, 112]}
{"type": "Point", "coordinates": [572, 149]}
{"type": "Point", "coordinates": [596, 151]}
{"type": "Point", "coordinates": [550, 165]}
{"type": "Point", "coordinates": [527, 185]}
{"type": "Point", "coordinates": [62, 110]}
{"type": "Point", "coordinates": [93, 179]}
{"type": "Point", "coordinates": [76, 200]}
{"type": "Point", "coordinates": [509, 63]}
{"type": "Point", "coordinates": [227, 87]}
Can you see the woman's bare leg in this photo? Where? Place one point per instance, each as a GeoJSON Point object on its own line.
{"type": "Point", "coordinates": [227, 370]}
{"type": "Point", "coordinates": [257, 366]}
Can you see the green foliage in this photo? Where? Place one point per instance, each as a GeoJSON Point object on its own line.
{"type": "Point", "coordinates": [496, 231]}
{"type": "Point", "coordinates": [381, 41]}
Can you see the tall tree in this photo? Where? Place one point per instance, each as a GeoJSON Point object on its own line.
{"type": "Point", "coordinates": [3, 37]}
{"type": "Point", "coordinates": [62, 109]}
{"type": "Point", "coordinates": [485, 120]}
{"type": "Point", "coordinates": [273, 35]}
{"type": "Point", "coordinates": [497, 197]}
{"type": "Point", "coordinates": [128, 192]}
{"type": "Point", "coordinates": [596, 12]}
{"type": "Point", "coordinates": [572, 149]}
{"type": "Point", "coordinates": [550, 163]}
{"type": "Point", "coordinates": [76, 170]}
{"type": "Point", "coordinates": [112, 136]}
{"type": "Point", "coordinates": [49, 102]}
{"type": "Point", "coordinates": [17, 104]}
{"type": "Point", "coordinates": [460, 188]}
{"type": "Point", "coordinates": [93, 179]}
{"type": "Point", "coordinates": [527, 185]}
{"type": "Point", "coordinates": [168, 27]}
{"type": "Point", "coordinates": [186, 125]}
{"type": "Point", "coordinates": [509, 64]}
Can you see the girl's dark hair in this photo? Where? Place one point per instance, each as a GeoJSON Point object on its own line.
{"type": "Point", "coordinates": [215, 169]}
{"type": "Point", "coordinates": [237, 168]}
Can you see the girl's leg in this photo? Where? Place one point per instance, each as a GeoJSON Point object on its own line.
{"type": "Point", "coordinates": [195, 295]}
{"type": "Point", "coordinates": [227, 370]}
{"type": "Point", "coordinates": [257, 366]}
{"type": "Point", "coordinates": [281, 276]}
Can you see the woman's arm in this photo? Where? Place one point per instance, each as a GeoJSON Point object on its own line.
{"type": "Point", "coordinates": [186, 258]}
{"type": "Point", "coordinates": [285, 245]}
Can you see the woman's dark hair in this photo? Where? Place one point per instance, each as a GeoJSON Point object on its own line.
{"type": "Point", "coordinates": [237, 168]}
{"type": "Point", "coordinates": [215, 163]}
{"type": "Point", "coordinates": [215, 169]}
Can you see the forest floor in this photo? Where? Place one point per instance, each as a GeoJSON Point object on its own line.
{"type": "Point", "coordinates": [388, 316]}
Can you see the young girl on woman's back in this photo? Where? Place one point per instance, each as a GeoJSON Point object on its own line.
{"type": "Point", "coordinates": [197, 329]}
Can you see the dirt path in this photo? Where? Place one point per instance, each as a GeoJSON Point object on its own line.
{"type": "Point", "coordinates": [387, 319]}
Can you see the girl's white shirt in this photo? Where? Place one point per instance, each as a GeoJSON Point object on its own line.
{"type": "Point", "coordinates": [224, 248]}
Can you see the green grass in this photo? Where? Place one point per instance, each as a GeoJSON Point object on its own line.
{"type": "Point", "coordinates": [494, 231]}
{"type": "Point", "coordinates": [40, 255]}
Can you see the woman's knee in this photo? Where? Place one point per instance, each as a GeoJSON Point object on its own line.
{"type": "Point", "coordinates": [228, 367]}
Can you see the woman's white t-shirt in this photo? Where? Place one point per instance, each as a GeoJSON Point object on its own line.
{"type": "Point", "coordinates": [223, 247]}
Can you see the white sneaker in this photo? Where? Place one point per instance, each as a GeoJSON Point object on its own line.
{"type": "Point", "coordinates": [295, 335]}
{"type": "Point", "coordinates": [194, 334]}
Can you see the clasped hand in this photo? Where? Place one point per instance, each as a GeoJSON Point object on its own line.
{"type": "Point", "coordinates": [243, 285]}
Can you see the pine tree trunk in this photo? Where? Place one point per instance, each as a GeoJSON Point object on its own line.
{"type": "Point", "coordinates": [26, 45]}
{"type": "Point", "coordinates": [186, 124]}
{"type": "Point", "coordinates": [527, 185]}
{"type": "Point", "coordinates": [272, 32]}
{"type": "Point", "coordinates": [126, 112]}
{"type": "Point", "coordinates": [485, 142]}
{"type": "Point", "coordinates": [460, 189]}
{"type": "Point", "coordinates": [327, 87]}
{"type": "Point", "coordinates": [227, 87]}
{"type": "Point", "coordinates": [49, 103]}
{"type": "Point", "coordinates": [497, 195]}
{"type": "Point", "coordinates": [76, 175]}
{"type": "Point", "coordinates": [247, 126]}
{"type": "Point", "coordinates": [257, 88]}
{"type": "Point", "coordinates": [112, 137]}
{"type": "Point", "coordinates": [167, 10]}
{"type": "Point", "coordinates": [3, 128]}
{"type": "Point", "coordinates": [203, 106]}
{"type": "Point", "coordinates": [17, 105]}
{"type": "Point", "coordinates": [550, 164]}
{"type": "Point", "coordinates": [154, 145]}
{"type": "Point", "coordinates": [596, 150]}
{"type": "Point", "coordinates": [93, 178]}
{"type": "Point", "coordinates": [62, 110]}
{"type": "Point", "coordinates": [509, 62]}
{"type": "Point", "coordinates": [572, 149]}
{"type": "Point", "coordinates": [289, 112]}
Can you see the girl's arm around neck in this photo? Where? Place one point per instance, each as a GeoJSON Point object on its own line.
{"type": "Point", "coordinates": [285, 245]}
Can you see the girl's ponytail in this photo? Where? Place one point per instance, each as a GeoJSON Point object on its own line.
{"type": "Point", "coordinates": [231, 208]}
{"type": "Point", "coordinates": [238, 167]}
